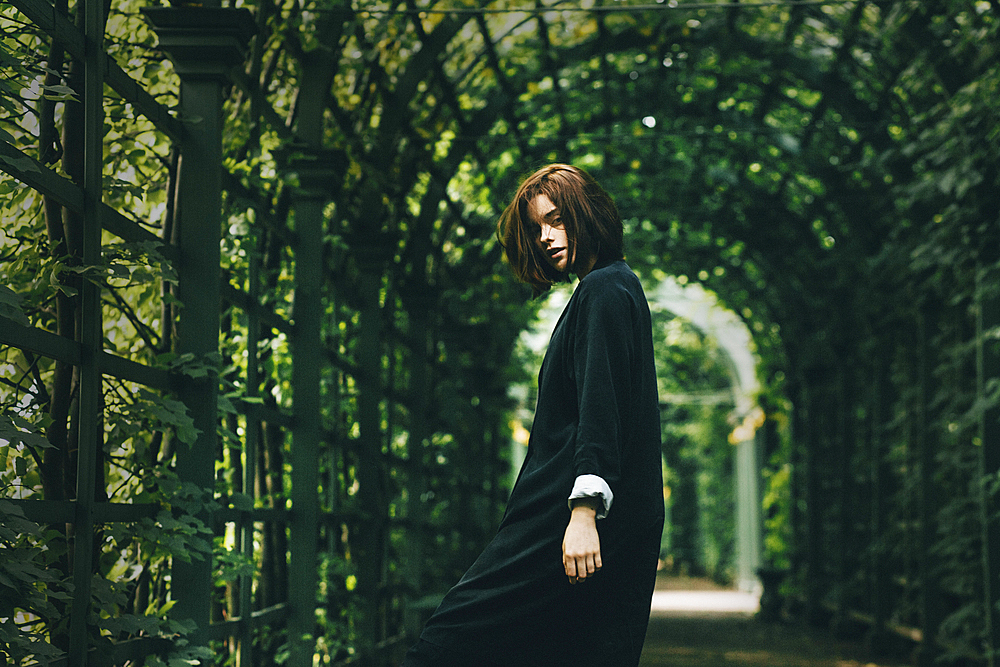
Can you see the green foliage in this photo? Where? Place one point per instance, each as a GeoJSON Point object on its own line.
{"type": "Point", "coordinates": [38, 591]}
{"type": "Point", "coordinates": [30, 588]}
{"type": "Point", "coordinates": [20, 433]}
{"type": "Point", "coordinates": [10, 305]}
{"type": "Point", "coordinates": [181, 655]}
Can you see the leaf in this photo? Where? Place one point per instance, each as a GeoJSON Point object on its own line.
{"type": "Point", "coordinates": [10, 306]}
{"type": "Point", "coordinates": [24, 570]}
{"type": "Point", "coordinates": [182, 626]}
{"type": "Point", "coordinates": [119, 271]}
{"type": "Point", "coordinates": [13, 517]}
{"type": "Point", "coordinates": [9, 60]}
{"type": "Point", "coordinates": [60, 93]}
{"type": "Point", "coordinates": [225, 405]}
{"type": "Point", "coordinates": [132, 624]}
{"type": "Point", "coordinates": [9, 508]}
{"type": "Point", "coordinates": [142, 275]}
{"type": "Point", "coordinates": [18, 430]}
{"type": "Point", "coordinates": [162, 611]}
{"type": "Point", "coordinates": [173, 413]}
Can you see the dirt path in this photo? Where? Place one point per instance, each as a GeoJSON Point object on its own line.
{"type": "Point", "coordinates": [691, 638]}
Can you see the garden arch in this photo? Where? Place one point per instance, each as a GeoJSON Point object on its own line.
{"type": "Point", "coordinates": [829, 168]}
{"type": "Point", "coordinates": [735, 342]}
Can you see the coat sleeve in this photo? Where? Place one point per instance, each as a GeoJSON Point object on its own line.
{"type": "Point", "coordinates": [603, 357]}
{"type": "Point", "coordinates": [592, 486]}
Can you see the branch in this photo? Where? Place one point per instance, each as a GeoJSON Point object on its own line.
{"type": "Point", "coordinates": [140, 327]}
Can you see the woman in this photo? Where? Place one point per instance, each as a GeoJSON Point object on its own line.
{"type": "Point", "coordinates": [569, 576]}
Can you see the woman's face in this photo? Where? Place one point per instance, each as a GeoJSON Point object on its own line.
{"type": "Point", "coordinates": [550, 233]}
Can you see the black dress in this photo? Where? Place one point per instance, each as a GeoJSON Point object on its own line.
{"type": "Point", "coordinates": [597, 413]}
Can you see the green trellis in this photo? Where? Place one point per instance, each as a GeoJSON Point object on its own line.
{"type": "Point", "coordinates": [868, 427]}
{"type": "Point", "coordinates": [205, 44]}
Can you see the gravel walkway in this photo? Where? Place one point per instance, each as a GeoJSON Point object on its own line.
{"type": "Point", "coordinates": [694, 624]}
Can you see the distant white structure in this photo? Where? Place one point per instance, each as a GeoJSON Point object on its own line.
{"type": "Point", "coordinates": [702, 309]}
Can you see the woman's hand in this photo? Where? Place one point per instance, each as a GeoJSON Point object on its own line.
{"type": "Point", "coordinates": [581, 543]}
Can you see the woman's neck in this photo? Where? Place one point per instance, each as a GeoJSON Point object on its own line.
{"type": "Point", "coordinates": [587, 267]}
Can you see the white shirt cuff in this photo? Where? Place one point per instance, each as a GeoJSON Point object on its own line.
{"type": "Point", "coordinates": [589, 486]}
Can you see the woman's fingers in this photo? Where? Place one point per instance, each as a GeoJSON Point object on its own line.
{"type": "Point", "coordinates": [578, 568]}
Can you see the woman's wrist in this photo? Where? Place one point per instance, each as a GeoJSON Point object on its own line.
{"type": "Point", "coordinates": [586, 506]}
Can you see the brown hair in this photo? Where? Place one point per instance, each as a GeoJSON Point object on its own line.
{"type": "Point", "coordinates": [593, 225]}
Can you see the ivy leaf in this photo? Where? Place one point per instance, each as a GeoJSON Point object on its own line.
{"type": "Point", "coordinates": [132, 624]}
{"type": "Point", "coordinates": [171, 412]}
{"type": "Point", "coordinates": [19, 431]}
{"type": "Point", "coordinates": [8, 60]}
{"type": "Point", "coordinates": [225, 405]}
{"type": "Point", "coordinates": [10, 306]}
{"type": "Point", "coordinates": [60, 93]}
{"type": "Point", "coordinates": [12, 516]}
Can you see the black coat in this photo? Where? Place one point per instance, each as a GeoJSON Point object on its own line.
{"type": "Point", "coordinates": [597, 413]}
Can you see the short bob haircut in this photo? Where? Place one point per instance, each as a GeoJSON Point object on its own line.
{"type": "Point", "coordinates": [591, 219]}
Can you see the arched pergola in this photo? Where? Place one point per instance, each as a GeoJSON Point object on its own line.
{"type": "Point", "coordinates": [273, 305]}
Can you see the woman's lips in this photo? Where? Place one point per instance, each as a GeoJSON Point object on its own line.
{"type": "Point", "coordinates": [556, 256]}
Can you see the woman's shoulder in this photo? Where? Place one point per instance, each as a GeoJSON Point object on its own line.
{"type": "Point", "coordinates": [609, 279]}
{"type": "Point", "coordinates": [612, 289]}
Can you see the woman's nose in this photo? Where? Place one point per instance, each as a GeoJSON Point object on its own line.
{"type": "Point", "coordinates": [544, 232]}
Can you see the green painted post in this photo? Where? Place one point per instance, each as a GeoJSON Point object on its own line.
{"type": "Point", "coordinates": [251, 450]}
{"type": "Point", "coordinates": [90, 437]}
{"type": "Point", "coordinates": [315, 173]}
{"type": "Point", "coordinates": [204, 43]}
{"type": "Point", "coordinates": [370, 551]}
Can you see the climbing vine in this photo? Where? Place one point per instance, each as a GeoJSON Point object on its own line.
{"type": "Point", "coordinates": [828, 171]}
